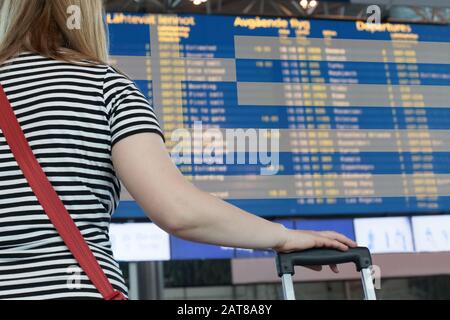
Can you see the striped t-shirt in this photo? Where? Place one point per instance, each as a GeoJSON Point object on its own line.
{"type": "Point", "coordinates": [72, 115]}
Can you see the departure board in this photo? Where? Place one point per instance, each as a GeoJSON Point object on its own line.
{"type": "Point", "coordinates": [349, 118]}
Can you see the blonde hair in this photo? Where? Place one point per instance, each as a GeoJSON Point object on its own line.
{"type": "Point", "coordinates": [41, 26]}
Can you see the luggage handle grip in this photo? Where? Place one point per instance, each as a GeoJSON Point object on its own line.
{"type": "Point", "coordinates": [286, 262]}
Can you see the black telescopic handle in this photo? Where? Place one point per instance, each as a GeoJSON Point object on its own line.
{"type": "Point", "coordinates": [319, 257]}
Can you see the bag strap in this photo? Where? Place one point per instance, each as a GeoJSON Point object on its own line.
{"type": "Point", "coordinates": [50, 202]}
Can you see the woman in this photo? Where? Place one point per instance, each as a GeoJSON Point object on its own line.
{"type": "Point", "coordinates": [88, 125]}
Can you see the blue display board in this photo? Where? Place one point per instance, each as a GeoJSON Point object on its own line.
{"type": "Point", "coordinates": [360, 113]}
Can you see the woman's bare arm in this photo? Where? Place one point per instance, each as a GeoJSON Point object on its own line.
{"type": "Point", "coordinates": [181, 209]}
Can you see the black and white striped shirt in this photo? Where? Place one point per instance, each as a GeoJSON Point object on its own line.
{"type": "Point", "coordinates": [71, 115]}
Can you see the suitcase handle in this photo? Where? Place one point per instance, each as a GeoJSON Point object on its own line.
{"type": "Point", "coordinates": [318, 257]}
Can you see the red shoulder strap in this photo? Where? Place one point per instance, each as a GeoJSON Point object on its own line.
{"type": "Point", "coordinates": [49, 200]}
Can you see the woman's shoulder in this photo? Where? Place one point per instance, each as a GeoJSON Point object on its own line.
{"type": "Point", "coordinates": [66, 59]}
{"type": "Point", "coordinates": [114, 76]}
{"type": "Point", "coordinates": [27, 62]}
{"type": "Point", "coordinates": [36, 59]}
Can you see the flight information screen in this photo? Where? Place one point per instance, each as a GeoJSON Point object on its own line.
{"type": "Point", "coordinates": [291, 117]}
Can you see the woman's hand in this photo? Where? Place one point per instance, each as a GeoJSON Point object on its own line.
{"type": "Point", "coordinates": [299, 240]}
